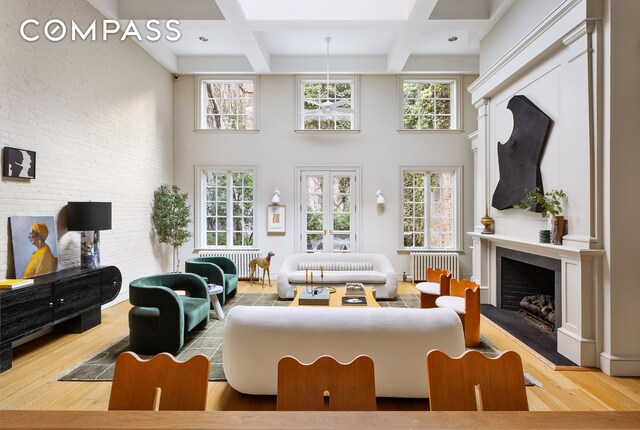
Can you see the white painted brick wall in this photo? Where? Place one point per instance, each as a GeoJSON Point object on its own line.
{"type": "Point", "coordinates": [100, 117]}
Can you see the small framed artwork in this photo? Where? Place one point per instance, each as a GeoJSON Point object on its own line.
{"type": "Point", "coordinates": [18, 163]}
{"type": "Point", "coordinates": [276, 216]}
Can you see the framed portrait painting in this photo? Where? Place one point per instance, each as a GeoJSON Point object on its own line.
{"type": "Point", "coordinates": [18, 163]}
{"type": "Point", "coordinates": [276, 216]}
{"type": "Point", "coordinates": [34, 241]}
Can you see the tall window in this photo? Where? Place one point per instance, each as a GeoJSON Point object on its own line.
{"type": "Point", "coordinates": [430, 208]}
{"type": "Point", "coordinates": [226, 104]}
{"type": "Point", "coordinates": [314, 91]}
{"type": "Point", "coordinates": [226, 207]}
{"type": "Point", "coordinates": [430, 104]}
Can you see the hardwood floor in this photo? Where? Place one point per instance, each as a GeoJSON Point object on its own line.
{"type": "Point", "coordinates": [32, 384]}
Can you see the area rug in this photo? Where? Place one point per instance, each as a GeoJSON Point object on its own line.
{"type": "Point", "coordinates": [100, 367]}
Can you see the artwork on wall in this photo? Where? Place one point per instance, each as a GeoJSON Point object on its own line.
{"type": "Point", "coordinates": [519, 157]}
{"type": "Point", "coordinates": [276, 219]}
{"type": "Point", "coordinates": [18, 163]}
{"type": "Point", "coordinates": [34, 241]}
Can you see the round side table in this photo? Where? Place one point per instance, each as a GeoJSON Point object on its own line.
{"type": "Point", "coordinates": [214, 290]}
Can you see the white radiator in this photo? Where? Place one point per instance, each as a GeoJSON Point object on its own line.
{"type": "Point", "coordinates": [241, 257]}
{"type": "Point", "coordinates": [436, 260]}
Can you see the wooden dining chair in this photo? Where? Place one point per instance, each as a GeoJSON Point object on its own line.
{"type": "Point", "coordinates": [474, 382]}
{"type": "Point", "coordinates": [160, 383]}
{"type": "Point", "coordinates": [437, 285]}
{"type": "Point", "coordinates": [464, 298]}
{"type": "Point", "coordinates": [351, 386]}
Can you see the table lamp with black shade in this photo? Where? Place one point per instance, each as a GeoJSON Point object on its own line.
{"type": "Point", "coordinates": [89, 218]}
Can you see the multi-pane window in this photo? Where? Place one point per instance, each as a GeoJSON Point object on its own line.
{"type": "Point", "coordinates": [228, 208]}
{"type": "Point", "coordinates": [318, 93]}
{"type": "Point", "coordinates": [227, 104]}
{"type": "Point", "coordinates": [429, 209]}
{"type": "Point", "coordinates": [429, 104]}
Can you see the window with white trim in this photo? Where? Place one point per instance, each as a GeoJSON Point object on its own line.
{"type": "Point", "coordinates": [226, 103]}
{"type": "Point", "coordinates": [430, 104]}
{"type": "Point", "coordinates": [314, 92]}
{"type": "Point", "coordinates": [431, 208]}
{"type": "Point", "coordinates": [225, 206]}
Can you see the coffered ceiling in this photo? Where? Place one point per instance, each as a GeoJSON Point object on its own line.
{"type": "Point", "coordinates": [288, 36]}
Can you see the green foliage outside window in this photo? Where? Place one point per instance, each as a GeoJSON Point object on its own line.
{"type": "Point", "coordinates": [427, 105]}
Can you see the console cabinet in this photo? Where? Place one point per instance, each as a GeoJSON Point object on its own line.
{"type": "Point", "coordinates": [68, 300]}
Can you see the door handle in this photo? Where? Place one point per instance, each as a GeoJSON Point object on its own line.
{"type": "Point", "coordinates": [330, 231]}
{"type": "Point", "coordinates": [324, 231]}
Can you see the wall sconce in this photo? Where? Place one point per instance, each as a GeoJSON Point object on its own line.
{"type": "Point", "coordinates": [380, 199]}
{"type": "Point", "coordinates": [89, 218]}
{"type": "Point", "coordinates": [276, 196]}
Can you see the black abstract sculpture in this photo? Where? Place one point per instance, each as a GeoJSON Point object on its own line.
{"type": "Point", "coordinates": [519, 157]}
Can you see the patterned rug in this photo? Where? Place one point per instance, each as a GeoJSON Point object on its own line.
{"type": "Point", "coordinates": [100, 367]}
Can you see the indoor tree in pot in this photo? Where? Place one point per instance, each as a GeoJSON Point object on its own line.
{"type": "Point", "coordinates": [171, 216]}
{"type": "Point", "coordinates": [547, 203]}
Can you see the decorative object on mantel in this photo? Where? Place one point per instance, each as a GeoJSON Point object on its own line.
{"type": "Point", "coordinates": [89, 218]}
{"type": "Point", "coordinates": [550, 203]}
{"type": "Point", "coordinates": [18, 163]}
{"type": "Point", "coordinates": [519, 157]}
{"type": "Point", "coordinates": [487, 222]}
{"type": "Point", "coordinates": [544, 236]}
{"type": "Point", "coordinates": [171, 216]}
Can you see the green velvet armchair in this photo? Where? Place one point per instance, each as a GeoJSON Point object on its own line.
{"type": "Point", "coordinates": [217, 270]}
{"type": "Point", "coordinates": [159, 317]}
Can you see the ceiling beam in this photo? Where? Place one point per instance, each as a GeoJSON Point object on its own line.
{"type": "Point", "coordinates": [252, 46]}
{"type": "Point", "coordinates": [408, 37]}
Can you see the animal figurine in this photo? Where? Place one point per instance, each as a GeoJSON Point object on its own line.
{"type": "Point", "coordinates": [264, 263]}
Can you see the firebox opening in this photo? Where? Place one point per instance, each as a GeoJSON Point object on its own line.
{"type": "Point", "coordinates": [529, 289]}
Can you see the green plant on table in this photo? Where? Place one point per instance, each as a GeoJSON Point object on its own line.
{"type": "Point", "coordinates": [550, 202]}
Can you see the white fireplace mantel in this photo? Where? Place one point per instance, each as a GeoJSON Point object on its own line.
{"type": "Point", "coordinates": [579, 334]}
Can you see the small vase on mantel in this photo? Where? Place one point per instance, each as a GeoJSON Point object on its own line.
{"type": "Point", "coordinates": [557, 229]}
{"type": "Point", "coordinates": [544, 236]}
{"type": "Point", "coordinates": [487, 222]}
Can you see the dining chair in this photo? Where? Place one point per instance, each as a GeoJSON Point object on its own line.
{"type": "Point", "coordinates": [160, 383]}
{"type": "Point", "coordinates": [302, 387]}
{"type": "Point", "coordinates": [475, 382]}
{"type": "Point", "coordinates": [437, 285]}
{"type": "Point", "coordinates": [464, 298]}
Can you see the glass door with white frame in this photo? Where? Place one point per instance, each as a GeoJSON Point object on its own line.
{"type": "Point", "coordinates": [328, 211]}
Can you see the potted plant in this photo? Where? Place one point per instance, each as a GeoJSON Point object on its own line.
{"type": "Point", "coordinates": [171, 216]}
{"type": "Point", "coordinates": [547, 203]}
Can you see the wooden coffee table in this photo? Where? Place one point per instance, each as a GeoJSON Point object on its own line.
{"type": "Point", "coordinates": [335, 299]}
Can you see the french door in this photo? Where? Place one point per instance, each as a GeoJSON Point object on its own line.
{"type": "Point", "coordinates": [328, 206]}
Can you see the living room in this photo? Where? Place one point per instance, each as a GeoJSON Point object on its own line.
{"type": "Point", "coordinates": [111, 121]}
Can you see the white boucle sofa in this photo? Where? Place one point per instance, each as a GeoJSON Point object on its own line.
{"type": "Point", "coordinates": [339, 268]}
{"type": "Point", "coordinates": [397, 339]}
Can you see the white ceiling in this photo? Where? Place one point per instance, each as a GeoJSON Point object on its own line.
{"type": "Point", "coordinates": [288, 36]}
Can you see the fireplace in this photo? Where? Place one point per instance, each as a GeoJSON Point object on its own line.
{"type": "Point", "coordinates": [529, 283]}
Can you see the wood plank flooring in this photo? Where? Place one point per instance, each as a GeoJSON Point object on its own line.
{"type": "Point", "coordinates": [32, 384]}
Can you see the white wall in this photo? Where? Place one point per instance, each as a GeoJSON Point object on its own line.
{"type": "Point", "coordinates": [379, 149]}
{"type": "Point", "coordinates": [99, 116]}
{"type": "Point", "coordinates": [622, 206]}
{"type": "Point", "coordinates": [522, 17]}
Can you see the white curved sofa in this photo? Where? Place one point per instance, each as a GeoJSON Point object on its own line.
{"type": "Point", "coordinates": [397, 339]}
{"type": "Point", "coordinates": [339, 268]}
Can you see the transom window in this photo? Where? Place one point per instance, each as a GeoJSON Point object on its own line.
{"type": "Point", "coordinates": [430, 208]}
{"type": "Point", "coordinates": [430, 104]}
{"type": "Point", "coordinates": [226, 207]}
{"type": "Point", "coordinates": [226, 104]}
{"type": "Point", "coordinates": [314, 91]}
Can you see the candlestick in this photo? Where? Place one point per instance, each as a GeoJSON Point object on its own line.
{"type": "Point", "coordinates": [306, 276]}
{"type": "Point", "coordinates": [312, 277]}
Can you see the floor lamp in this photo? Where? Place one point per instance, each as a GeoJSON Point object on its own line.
{"type": "Point", "coordinates": [89, 218]}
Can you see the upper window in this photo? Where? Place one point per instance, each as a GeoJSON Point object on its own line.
{"type": "Point", "coordinates": [225, 207]}
{"type": "Point", "coordinates": [328, 105]}
{"type": "Point", "coordinates": [226, 103]}
{"type": "Point", "coordinates": [430, 104]}
{"type": "Point", "coordinates": [430, 210]}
